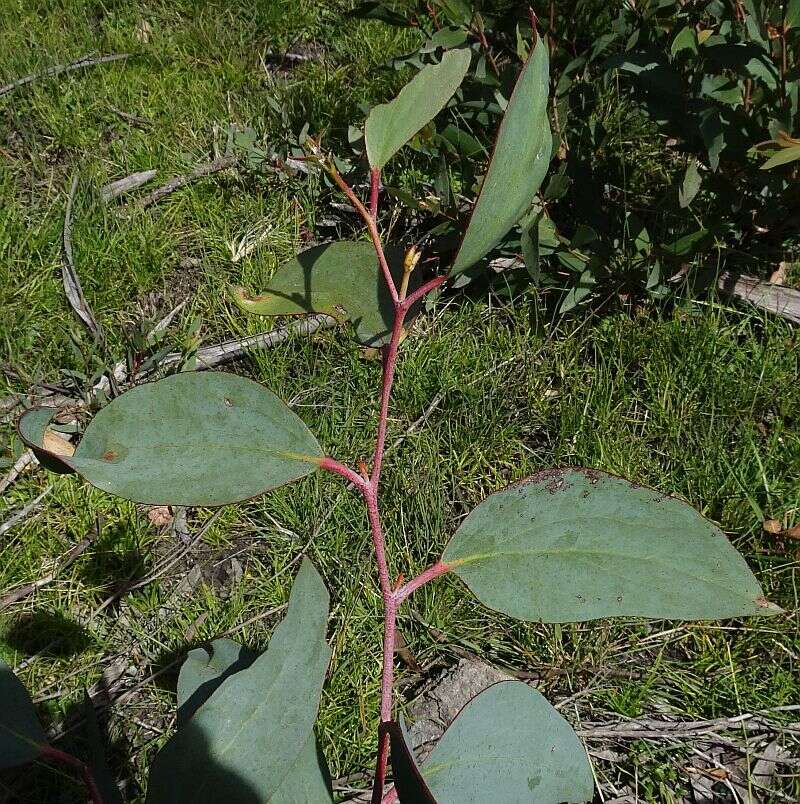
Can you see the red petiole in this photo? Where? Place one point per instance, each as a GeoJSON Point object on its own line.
{"type": "Point", "coordinates": [56, 757]}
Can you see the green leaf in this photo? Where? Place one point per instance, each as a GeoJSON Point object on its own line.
{"type": "Point", "coordinates": [96, 759]}
{"type": "Point", "coordinates": [457, 11]}
{"type": "Point", "coordinates": [557, 187]}
{"type": "Point", "coordinates": [569, 545]}
{"type": "Point", "coordinates": [190, 439]}
{"type": "Point", "coordinates": [713, 131]}
{"type": "Point", "coordinates": [445, 38]}
{"type": "Point", "coordinates": [688, 244]}
{"type": "Point", "coordinates": [205, 669]}
{"type": "Point", "coordinates": [518, 166]}
{"type": "Point", "coordinates": [690, 185]}
{"type": "Point", "coordinates": [391, 125]}
{"type": "Point", "coordinates": [792, 18]}
{"type": "Point", "coordinates": [308, 781]}
{"type": "Point", "coordinates": [509, 745]}
{"type": "Point", "coordinates": [378, 11]}
{"type": "Point", "coordinates": [783, 157]}
{"type": "Point", "coordinates": [684, 42]}
{"type": "Point", "coordinates": [408, 780]}
{"type": "Point", "coordinates": [252, 741]}
{"type": "Point", "coordinates": [341, 279]}
{"type": "Point", "coordinates": [462, 142]}
{"type": "Point", "coordinates": [582, 290]}
{"type": "Point", "coordinates": [21, 734]}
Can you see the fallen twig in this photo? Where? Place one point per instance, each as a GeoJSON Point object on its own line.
{"type": "Point", "coordinates": [57, 69]}
{"type": "Point", "coordinates": [119, 187]}
{"type": "Point", "coordinates": [776, 299]}
{"type": "Point", "coordinates": [134, 120]}
{"type": "Point", "coordinates": [656, 728]}
{"type": "Point", "coordinates": [10, 403]}
{"type": "Point", "coordinates": [21, 592]}
{"type": "Point", "coordinates": [72, 285]}
{"type": "Point", "coordinates": [182, 180]}
{"type": "Point", "coordinates": [226, 352]}
{"type": "Point", "coordinates": [21, 516]}
{"type": "Point", "coordinates": [22, 463]}
{"type": "Point", "coordinates": [209, 357]}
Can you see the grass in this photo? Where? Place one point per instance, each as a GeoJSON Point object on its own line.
{"type": "Point", "coordinates": [698, 400]}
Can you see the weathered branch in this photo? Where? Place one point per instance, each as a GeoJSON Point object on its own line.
{"type": "Point", "coordinates": [183, 179]}
{"type": "Point", "coordinates": [57, 69]}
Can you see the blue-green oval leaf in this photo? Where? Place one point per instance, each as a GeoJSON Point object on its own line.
{"type": "Point", "coordinates": [190, 439]}
{"type": "Point", "coordinates": [341, 279]}
{"type": "Point", "coordinates": [518, 166]}
{"type": "Point", "coordinates": [509, 745]}
{"type": "Point", "coordinates": [391, 125]}
{"type": "Point", "coordinates": [21, 734]}
{"type": "Point", "coordinates": [252, 740]}
{"type": "Point", "coordinates": [570, 545]}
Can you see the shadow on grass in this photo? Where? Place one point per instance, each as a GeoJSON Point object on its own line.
{"type": "Point", "coordinates": [46, 633]}
{"type": "Point", "coordinates": [174, 774]}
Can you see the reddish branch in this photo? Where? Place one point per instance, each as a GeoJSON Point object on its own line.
{"type": "Point", "coordinates": [393, 594]}
{"type": "Point", "coordinates": [374, 190]}
{"type": "Point", "coordinates": [372, 226]}
{"type": "Point", "coordinates": [57, 757]}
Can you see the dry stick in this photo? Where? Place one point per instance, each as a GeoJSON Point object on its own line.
{"type": "Point", "coordinates": [21, 516]}
{"type": "Point", "coordinates": [84, 61]}
{"type": "Point", "coordinates": [21, 464]}
{"type": "Point", "coordinates": [134, 120]}
{"type": "Point", "coordinates": [21, 592]}
{"type": "Point", "coordinates": [218, 354]}
{"type": "Point", "coordinates": [127, 184]}
{"type": "Point", "coordinates": [186, 178]}
{"type": "Point", "coordinates": [776, 299]}
{"type": "Point", "coordinates": [72, 284]}
{"type": "Point", "coordinates": [211, 356]}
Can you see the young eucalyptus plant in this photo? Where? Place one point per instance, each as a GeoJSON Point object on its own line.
{"type": "Point", "coordinates": [566, 545]}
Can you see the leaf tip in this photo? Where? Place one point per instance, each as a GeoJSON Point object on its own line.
{"type": "Point", "coordinates": [245, 300]}
{"type": "Point", "coordinates": [767, 607]}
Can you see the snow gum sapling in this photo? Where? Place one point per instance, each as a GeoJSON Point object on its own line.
{"type": "Point", "coordinates": [566, 545]}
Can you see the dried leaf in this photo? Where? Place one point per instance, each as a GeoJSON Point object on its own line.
{"type": "Point", "coordinates": [792, 533]}
{"type": "Point", "coordinates": [56, 443]}
{"type": "Point", "coordinates": [72, 284]}
{"type": "Point", "coordinates": [772, 526]}
{"type": "Point", "coordinates": [404, 652]}
{"type": "Point", "coordinates": [142, 31]}
{"type": "Point", "coordinates": [778, 276]}
{"type": "Point", "coordinates": [159, 516]}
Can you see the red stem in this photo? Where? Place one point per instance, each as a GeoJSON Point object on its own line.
{"type": "Point", "coordinates": [424, 290]}
{"type": "Point", "coordinates": [374, 190]}
{"type": "Point", "coordinates": [372, 227]}
{"type": "Point", "coordinates": [346, 472]}
{"type": "Point", "coordinates": [389, 365]}
{"type": "Point", "coordinates": [434, 571]}
{"type": "Point", "coordinates": [57, 757]}
{"type": "Point", "coordinates": [369, 486]}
